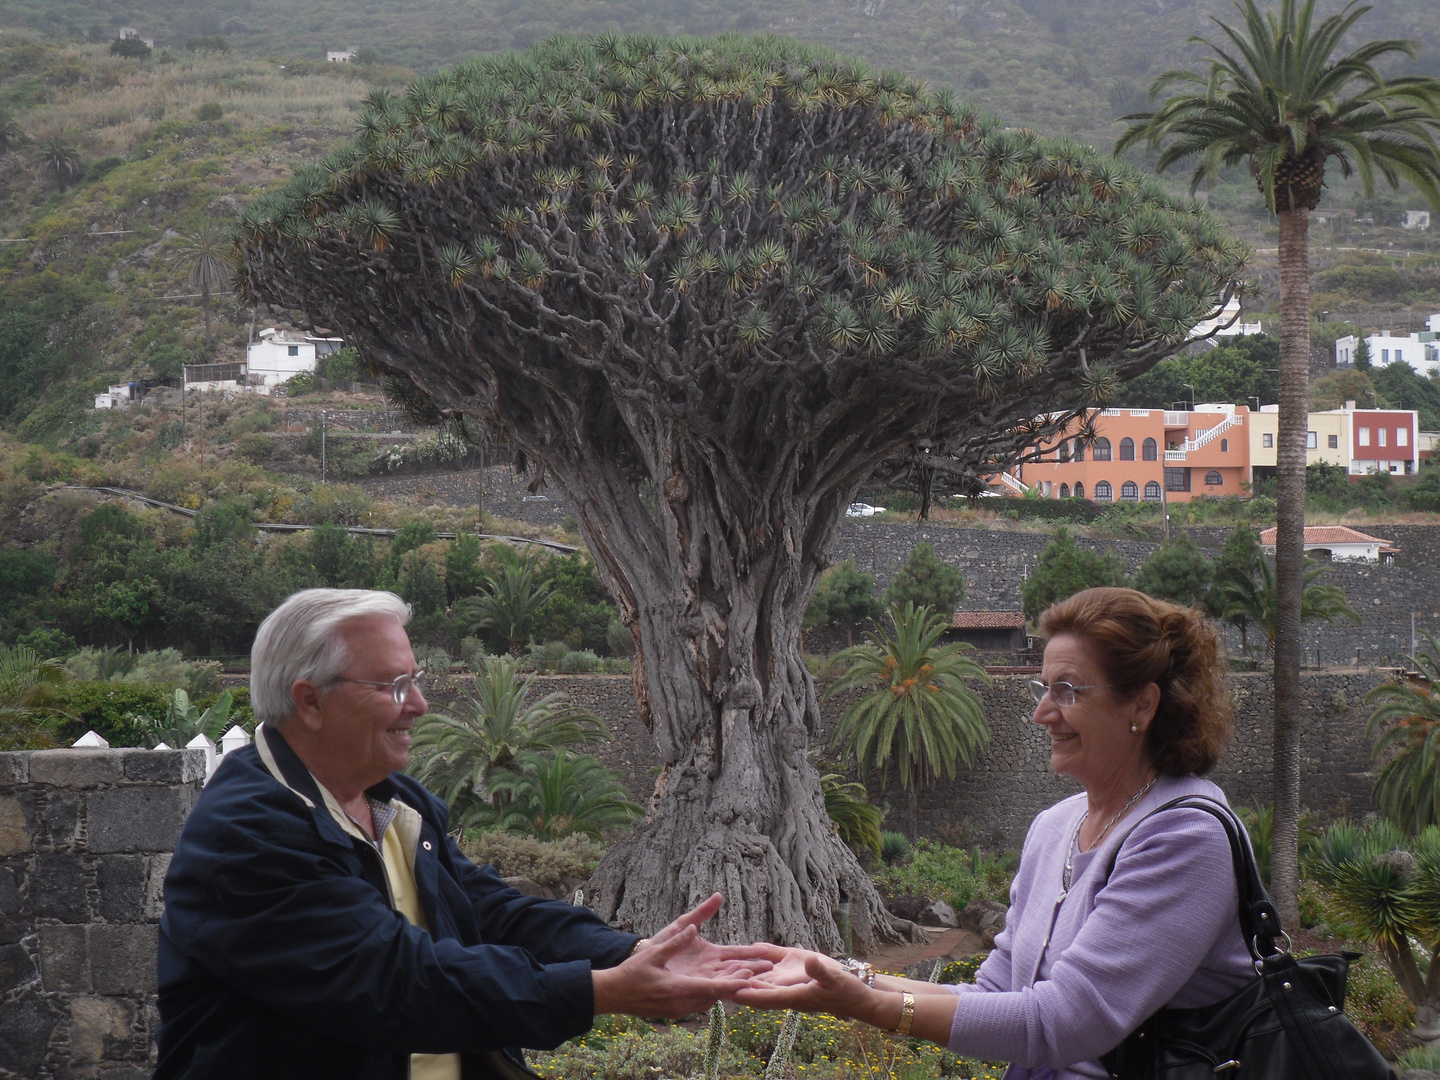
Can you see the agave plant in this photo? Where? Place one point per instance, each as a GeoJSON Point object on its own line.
{"type": "Point", "coordinates": [456, 754]}
{"type": "Point", "coordinates": [552, 796]}
{"type": "Point", "coordinates": [1407, 718]}
{"type": "Point", "coordinates": [919, 714]}
{"type": "Point", "coordinates": [1387, 887]}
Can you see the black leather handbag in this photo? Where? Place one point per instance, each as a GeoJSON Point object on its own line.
{"type": "Point", "coordinates": [1289, 1024]}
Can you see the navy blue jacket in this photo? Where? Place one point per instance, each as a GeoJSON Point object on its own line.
{"type": "Point", "coordinates": [281, 957]}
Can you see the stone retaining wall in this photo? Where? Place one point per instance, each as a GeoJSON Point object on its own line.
{"type": "Point", "coordinates": [993, 803]}
{"type": "Point", "coordinates": [85, 840]}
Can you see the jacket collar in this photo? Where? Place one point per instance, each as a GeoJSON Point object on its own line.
{"type": "Point", "coordinates": [335, 825]}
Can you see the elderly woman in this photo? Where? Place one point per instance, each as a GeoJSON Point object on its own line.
{"type": "Point", "coordinates": [1132, 697]}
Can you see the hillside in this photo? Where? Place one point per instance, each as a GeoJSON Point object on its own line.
{"type": "Point", "coordinates": [122, 158]}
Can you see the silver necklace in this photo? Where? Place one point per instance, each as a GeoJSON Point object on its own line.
{"type": "Point", "coordinates": [1073, 846]}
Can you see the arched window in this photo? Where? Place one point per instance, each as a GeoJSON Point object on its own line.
{"type": "Point", "coordinates": [1127, 449]}
{"type": "Point", "coordinates": [1102, 451]}
{"type": "Point", "coordinates": [1064, 491]}
{"type": "Point", "coordinates": [1152, 492]}
{"type": "Point", "coordinates": [1149, 450]}
{"type": "Point", "coordinates": [1079, 451]}
{"type": "Point", "coordinates": [1214, 479]}
{"type": "Point", "coordinates": [1103, 491]}
{"type": "Point", "coordinates": [1224, 446]}
{"type": "Point", "coordinates": [1064, 449]}
{"type": "Point", "coordinates": [1079, 490]}
{"type": "Point", "coordinates": [1129, 491]}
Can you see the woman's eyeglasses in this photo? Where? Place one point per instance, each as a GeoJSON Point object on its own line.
{"type": "Point", "coordinates": [400, 688]}
{"type": "Point", "coordinates": [1061, 693]}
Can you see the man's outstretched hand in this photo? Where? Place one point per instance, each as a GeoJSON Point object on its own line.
{"type": "Point", "coordinates": [678, 972]}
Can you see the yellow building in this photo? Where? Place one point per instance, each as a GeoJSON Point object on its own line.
{"type": "Point", "coordinates": [1264, 427]}
{"type": "Point", "coordinates": [1327, 438]}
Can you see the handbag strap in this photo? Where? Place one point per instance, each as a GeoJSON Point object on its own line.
{"type": "Point", "coordinates": [1259, 921]}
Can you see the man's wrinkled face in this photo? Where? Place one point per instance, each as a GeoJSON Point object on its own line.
{"type": "Point", "coordinates": [365, 732]}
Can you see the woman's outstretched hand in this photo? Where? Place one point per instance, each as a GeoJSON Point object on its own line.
{"type": "Point", "coordinates": [811, 982]}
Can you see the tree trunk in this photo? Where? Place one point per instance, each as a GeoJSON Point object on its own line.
{"type": "Point", "coordinates": [715, 605]}
{"type": "Point", "coordinates": [1289, 556]}
{"type": "Point", "coordinates": [914, 807]}
{"type": "Point", "coordinates": [927, 492]}
{"type": "Point", "coordinates": [205, 303]}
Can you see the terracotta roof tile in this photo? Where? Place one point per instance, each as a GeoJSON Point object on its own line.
{"type": "Point", "coordinates": [1329, 534]}
{"type": "Point", "coordinates": [987, 620]}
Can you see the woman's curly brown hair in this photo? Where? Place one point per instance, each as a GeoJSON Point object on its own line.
{"type": "Point", "coordinates": [1138, 640]}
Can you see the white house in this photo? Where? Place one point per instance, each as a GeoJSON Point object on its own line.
{"type": "Point", "coordinates": [278, 355]}
{"type": "Point", "coordinates": [340, 56]}
{"type": "Point", "coordinates": [1416, 219]}
{"type": "Point", "coordinates": [120, 396]}
{"type": "Point", "coordinates": [1420, 350]}
{"type": "Point", "coordinates": [1228, 322]}
{"type": "Point", "coordinates": [1338, 542]}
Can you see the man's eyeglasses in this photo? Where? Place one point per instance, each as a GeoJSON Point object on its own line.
{"type": "Point", "coordinates": [1062, 693]}
{"type": "Point", "coordinates": [399, 689]}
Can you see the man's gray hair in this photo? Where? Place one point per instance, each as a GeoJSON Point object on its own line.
{"type": "Point", "coordinates": [300, 640]}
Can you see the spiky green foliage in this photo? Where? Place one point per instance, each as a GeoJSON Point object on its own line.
{"type": "Point", "coordinates": [24, 677]}
{"type": "Point", "coordinates": [512, 601]}
{"type": "Point", "coordinates": [552, 796]}
{"type": "Point", "coordinates": [455, 753]}
{"type": "Point", "coordinates": [1406, 719]}
{"type": "Point", "coordinates": [983, 260]}
{"type": "Point", "coordinates": [208, 258]}
{"type": "Point", "coordinates": [1318, 602]}
{"type": "Point", "coordinates": [1063, 569]}
{"type": "Point", "coordinates": [1386, 886]}
{"type": "Point", "coordinates": [856, 818]}
{"type": "Point", "coordinates": [715, 1041]}
{"type": "Point", "coordinates": [1279, 97]}
{"type": "Point", "coordinates": [918, 714]}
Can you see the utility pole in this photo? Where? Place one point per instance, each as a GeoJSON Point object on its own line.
{"type": "Point", "coordinates": [201, 401]}
{"type": "Point", "coordinates": [322, 446]}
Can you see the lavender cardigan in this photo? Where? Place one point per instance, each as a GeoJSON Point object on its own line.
{"type": "Point", "coordinates": [1163, 931]}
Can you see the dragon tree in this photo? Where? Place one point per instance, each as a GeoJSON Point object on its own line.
{"type": "Point", "coordinates": [706, 287]}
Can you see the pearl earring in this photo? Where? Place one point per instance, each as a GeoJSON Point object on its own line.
{"type": "Point", "coordinates": [1135, 729]}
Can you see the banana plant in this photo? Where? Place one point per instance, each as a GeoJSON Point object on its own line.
{"type": "Point", "coordinates": [183, 720]}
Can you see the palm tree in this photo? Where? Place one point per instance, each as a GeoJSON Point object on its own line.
{"type": "Point", "coordinates": [1282, 100]}
{"type": "Point", "coordinates": [457, 755]}
{"type": "Point", "coordinates": [919, 713]}
{"type": "Point", "coordinates": [512, 602]}
{"type": "Point", "coordinates": [855, 817]}
{"type": "Point", "coordinates": [553, 796]}
{"type": "Point", "coordinates": [24, 679]}
{"type": "Point", "coordinates": [12, 135]}
{"type": "Point", "coordinates": [1261, 604]}
{"type": "Point", "coordinates": [1385, 887]}
{"type": "Point", "coordinates": [1407, 791]}
{"type": "Point", "coordinates": [208, 254]}
{"type": "Point", "coordinates": [60, 162]}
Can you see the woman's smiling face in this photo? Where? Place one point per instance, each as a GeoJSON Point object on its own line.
{"type": "Point", "coordinates": [1090, 740]}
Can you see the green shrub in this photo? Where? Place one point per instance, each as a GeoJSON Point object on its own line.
{"type": "Point", "coordinates": [1425, 1058]}
{"type": "Point", "coordinates": [210, 111]}
{"type": "Point", "coordinates": [254, 447]}
{"type": "Point", "coordinates": [547, 657]}
{"type": "Point", "coordinates": [950, 874]}
{"type": "Point", "coordinates": [578, 663]}
{"type": "Point", "coordinates": [545, 862]}
{"type": "Point", "coordinates": [109, 708]}
{"type": "Point", "coordinates": [962, 971]}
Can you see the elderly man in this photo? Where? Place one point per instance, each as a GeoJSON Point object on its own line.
{"type": "Point", "coordinates": [319, 922]}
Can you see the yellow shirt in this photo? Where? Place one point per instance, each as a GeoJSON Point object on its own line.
{"type": "Point", "coordinates": [400, 872]}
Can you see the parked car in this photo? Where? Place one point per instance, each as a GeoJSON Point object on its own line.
{"type": "Point", "coordinates": [863, 510]}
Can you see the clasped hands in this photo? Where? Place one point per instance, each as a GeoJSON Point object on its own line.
{"type": "Point", "coordinates": [678, 972]}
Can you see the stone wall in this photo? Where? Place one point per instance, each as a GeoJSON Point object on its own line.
{"type": "Point", "coordinates": [85, 839]}
{"type": "Point", "coordinates": [993, 803]}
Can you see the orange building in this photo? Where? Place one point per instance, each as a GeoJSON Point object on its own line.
{"type": "Point", "coordinates": [1148, 455]}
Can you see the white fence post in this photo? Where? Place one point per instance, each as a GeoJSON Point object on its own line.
{"type": "Point", "coordinates": [90, 741]}
{"type": "Point", "coordinates": [202, 742]}
{"type": "Point", "coordinates": [233, 739]}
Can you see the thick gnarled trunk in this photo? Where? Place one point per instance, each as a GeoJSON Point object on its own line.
{"type": "Point", "coordinates": [713, 585]}
{"type": "Point", "coordinates": [1290, 556]}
